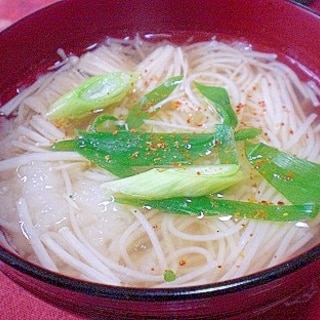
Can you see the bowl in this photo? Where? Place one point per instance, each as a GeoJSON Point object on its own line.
{"type": "Point", "coordinates": [30, 47]}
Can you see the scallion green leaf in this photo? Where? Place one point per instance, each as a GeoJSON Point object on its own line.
{"type": "Point", "coordinates": [297, 179]}
{"type": "Point", "coordinates": [219, 98]}
{"type": "Point", "coordinates": [209, 206]}
{"type": "Point", "coordinates": [226, 144]}
{"type": "Point", "coordinates": [141, 111]}
{"type": "Point", "coordinates": [142, 149]}
{"type": "Point", "coordinates": [247, 133]}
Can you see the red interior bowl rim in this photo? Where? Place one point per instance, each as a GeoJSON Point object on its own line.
{"type": "Point", "coordinates": [163, 294]}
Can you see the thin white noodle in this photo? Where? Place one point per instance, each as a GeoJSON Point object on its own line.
{"type": "Point", "coordinates": [88, 271]}
{"type": "Point", "coordinates": [27, 147]}
{"type": "Point", "coordinates": [9, 226]}
{"type": "Point", "coordinates": [314, 99]}
{"type": "Point", "coordinates": [30, 233]}
{"type": "Point", "coordinates": [198, 237]}
{"type": "Point", "coordinates": [32, 135]}
{"type": "Point", "coordinates": [14, 103]}
{"type": "Point", "coordinates": [123, 244]}
{"type": "Point", "coordinates": [153, 238]}
{"type": "Point", "coordinates": [208, 267]}
{"type": "Point", "coordinates": [47, 129]}
{"type": "Point", "coordinates": [87, 255]}
{"type": "Point", "coordinates": [123, 271]}
{"type": "Point", "coordinates": [26, 158]}
{"type": "Point", "coordinates": [301, 131]}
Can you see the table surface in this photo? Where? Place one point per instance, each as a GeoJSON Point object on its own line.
{"type": "Point", "coordinates": [15, 302]}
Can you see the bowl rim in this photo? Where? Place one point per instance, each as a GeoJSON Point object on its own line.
{"type": "Point", "coordinates": [164, 294]}
{"type": "Point", "coordinates": [12, 260]}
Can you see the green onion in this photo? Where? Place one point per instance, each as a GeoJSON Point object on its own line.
{"type": "Point", "coordinates": [95, 93]}
{"type": "Point", "coordinates": [142, 149]}
{"type": "Point", "coordinates": [141, 111]}
{"type": "Point", "coordinates": [247, 134]}
{"type": "Point", "coordinates": [226, 144]}
{"type": "Point", "coordinates": [176, 182]}
{"type": "Point", "coordinates": [209, 206]}
{"type": "Point", "coordinates": [105, 123]}
{"type": "Point", "coordinates": [219, 98]}
{"type": "Point", "coordinates": [296, 179]}
{"type": "Point", "coordinates": [169, 276]}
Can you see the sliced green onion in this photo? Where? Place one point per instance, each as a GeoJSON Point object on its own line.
{"type": "Point", "coordinates": [141, 111]}
{"type": "Point", "coordinates": [219, 98]}
{"type": "Point", "coordinates": [169, 276]}
{"type": "Point", "coordinates": [226, 144]}
{"type": "Point", "coordinates": [176, 182]}
{"type": "Point", "coordinates": [142, 149]}
{"type": "Point", "coordinates": [105, 122]}
{"type": "Point", "coordinates": [297, 179]}
{"type": "Point", "coordinates": [247, 134]}
{"type": "Point", "coordinates": [95, 93]}
{"type": "Point", "coordinates": [209, 206]}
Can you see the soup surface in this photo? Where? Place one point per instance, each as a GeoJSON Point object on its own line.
{"type": "Point", "coordinates": [167, 165]}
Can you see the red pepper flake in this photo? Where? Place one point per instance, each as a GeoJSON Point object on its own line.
{"type": "Point", "coordinates": [280, 203]}
{"type": "Point", "coordinates": [259, 214]}
{"type": "Point", "coordinates": [177, 164]}
{"type": "Point", "coordinates": [151, 145]}
{"type": "Point", "coordinates": [262, 103]}
{"type": "Point", "coordinates": [258, 164]}
{"type": "Point", "coordinates": [182, 262]}
{"type": "Point", "coordinates": [161, 145]}
{"type": "Point", "coordinates": [291, 131]}
{"type": "Point", "coordinates": [135, 155]}
{"type": "Point", "coordinates": [115, 132]}
{"type": "Point", "coordinates": [239, 107]}
{"type": "Point", "coordinates": [219, 266]}
{"type": "Point", "coordinates": [289, 176]}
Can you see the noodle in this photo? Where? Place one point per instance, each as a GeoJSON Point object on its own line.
{"type": "Point", "coordinates": [53, 203]}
